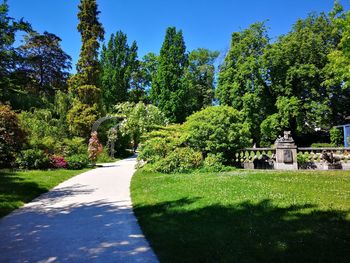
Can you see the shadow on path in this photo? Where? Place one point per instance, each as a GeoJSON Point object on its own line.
{"type": "Point", "coordinates": [85, 219]}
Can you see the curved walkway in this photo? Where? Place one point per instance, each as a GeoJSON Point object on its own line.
{"type": "Point", "coordinates": [88, 218]}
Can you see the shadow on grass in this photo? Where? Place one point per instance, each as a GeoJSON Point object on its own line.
{"type": "Point", "coordinates": [14, 191]}
{"type": "Point", "coordinates": [245, 232]}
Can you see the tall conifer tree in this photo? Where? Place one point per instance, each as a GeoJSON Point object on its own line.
{"type": "Point", "coordinates": [169, 91]}
{"type": "Point", "coordinates": [84, 85]}
{"type": "Point", "coordinates": [118, 65]}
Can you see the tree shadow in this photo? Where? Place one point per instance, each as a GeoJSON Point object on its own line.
{"type": "Point", "coordinates": [55, 228]}
{"type": "Point", "coordinates": [15, 191]}
{"type": "Point", "coordinates": [245, 232]}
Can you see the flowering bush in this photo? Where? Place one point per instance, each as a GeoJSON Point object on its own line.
{"type": "Point", "coordinates": [59, 162]}
{"type": "Point", "coordinates": [95, 147]}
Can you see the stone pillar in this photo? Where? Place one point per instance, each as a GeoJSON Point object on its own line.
{"type": "Point", "coordinates": [286, 153]}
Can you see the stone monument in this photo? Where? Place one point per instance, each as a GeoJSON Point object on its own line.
{"type": "Point", "coordinates": [286, 153]}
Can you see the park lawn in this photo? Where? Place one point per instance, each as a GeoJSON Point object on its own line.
{"type": "Point", "coordinates": [245, 216]}
{"type": "Point", "coordinates": [18, 188]}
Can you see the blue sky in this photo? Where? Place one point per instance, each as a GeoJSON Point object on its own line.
{"type": "Point", "coordinates": [205, 23]}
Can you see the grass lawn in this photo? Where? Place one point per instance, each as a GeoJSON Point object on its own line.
{"type": "Point", "coordinates": [245, 216]}
{"type": "Point", "coordinates": [18, 188]}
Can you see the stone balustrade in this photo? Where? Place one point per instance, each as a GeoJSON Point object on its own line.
{"type": "Point", "coordinates": [287, 156]}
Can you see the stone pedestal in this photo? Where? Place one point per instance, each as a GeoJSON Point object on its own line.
{"type": "Point", "coordinates": [286, 153]}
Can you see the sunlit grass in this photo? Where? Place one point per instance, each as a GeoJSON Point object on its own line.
{"type": "Point", "coordinates": [245, 216]}
{"type": "Point", "coordinates": [18, 188]}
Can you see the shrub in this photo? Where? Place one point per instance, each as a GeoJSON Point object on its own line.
{"type": "Point", "coordinates": [303, 158]}
{"type": "Point", "coordinates": [95, 147]}
{"type": "Point", "coordinates": [336, 137]}
{"type": "Point", "coordinates": [58, 162]}
{"type": "Point", "coordinates": [33, 159]}
{"type": "Point", "coordinates": [77, 161]}
{"type": "Point", "coordinates": [217, 130]}
{"type": "Point", "coordinates": [180, 160]}
{"type": "Point", "coordinates": [214, 163]}
{"type": "Point", "coordinates": [159, 143]}
{"type": "Point", "coordinates": [321, 145]}
{"type": "Point", "coordinates": [76, 145]}
{"type": "Point", "coordinates": [104, 157]}
{"type": "Point", "coordinates": [12, 136]}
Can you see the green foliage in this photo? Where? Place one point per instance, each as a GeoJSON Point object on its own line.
{"type": "Point", "coordinates": [296, 64]}
{"type": "Point", "coordinates": [303, 158]}
{"type": "Point", "coordinates": [217, 130]}
{"type": "Point", "coordinates": [104, 157]}
{"type": "Point", "coordinates": [200, 76]}
{"type": "Point", "coordinates": [44, 131]}
{"type": "Point", "coordinates": [337, 138]}
{"type": "Point", "coordinates": [287, 115]}
{"type": "Point", "coordinates": [33, 159]}
{"type": "Point", "coordinates": [84, 85]}
{"type": "Point", "coordinates": [321, 145]}
{"type": "Point", "coordinates": [213, 163]}
{"type": "Point", "coordinates": [242, 78]}
{"type": "Point", "coordinates": [77, 161]}
{"type": "Point", "coordinates": [12, 136]}
{"type": "Point", "coordinates": [81, 117]}
{"type": "Point", "coordinates": [139, 119]}
{"type": "Point", "coordinates": [180, 160]}
{"type": "Point", "coordinates": [73, 146]}
{"type": "Point", "coordinates": [119, 70]}
{"type": "Point", "coordinates": [160, 143]}
{"type": "Point", "coordinates": [169, 91]}
{"type": "Point", "coordinates": [45, 64]}
{"type": "Point", "coordinates": [9, 56]}
{"type": "Point", "coordinates": [91, 30]}
{"type": "Point", "coordinates": [337, 71]}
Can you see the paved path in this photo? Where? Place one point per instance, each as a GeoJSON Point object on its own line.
{"type": "Point", "coordinates": [85, 219]}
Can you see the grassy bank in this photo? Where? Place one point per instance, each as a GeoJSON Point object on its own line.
{"type": "Point", "coordinates": [245, 216]}
{"type": "Point", "coordinates": [18, 188]}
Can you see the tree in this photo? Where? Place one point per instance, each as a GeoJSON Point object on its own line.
{"type": "Point", "coordinates": [84, 86]}
{"type": "Point", "coordinates": [8, 54]}
{"type": "Point", "coordinates": [337, 71]}
{"type": "Point", "coordinates": [242, 81]}
{"type": "Point", "coordinates": [92, 32]}
{"type": "Point", "coordinates": [169, 91]}
{"type": "Point", "coordinates": [296, 70]}
{"type": "Point", "coordinates": [120, 70]}
{"type": "Point", "coordinates": [200, 75]}
{"type": "Point", "coordinates": [139, 119]}
{"type": "Point", "coordinates": [45, 63]}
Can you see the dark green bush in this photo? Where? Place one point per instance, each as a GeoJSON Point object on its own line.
{"type": "Point", "coordinates": [217, 130]}
{"type": "Point", "coordinates": [12, 136]}
{"type": "Point", "coordinates": [180, 160]}
{"type": "Point", "coordinates": [33, 159]}
{"type": "Point", "coordinates": [77, 161]}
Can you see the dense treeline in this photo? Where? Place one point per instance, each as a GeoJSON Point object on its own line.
{"type": "Point", "coordinates": [299, 82]}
